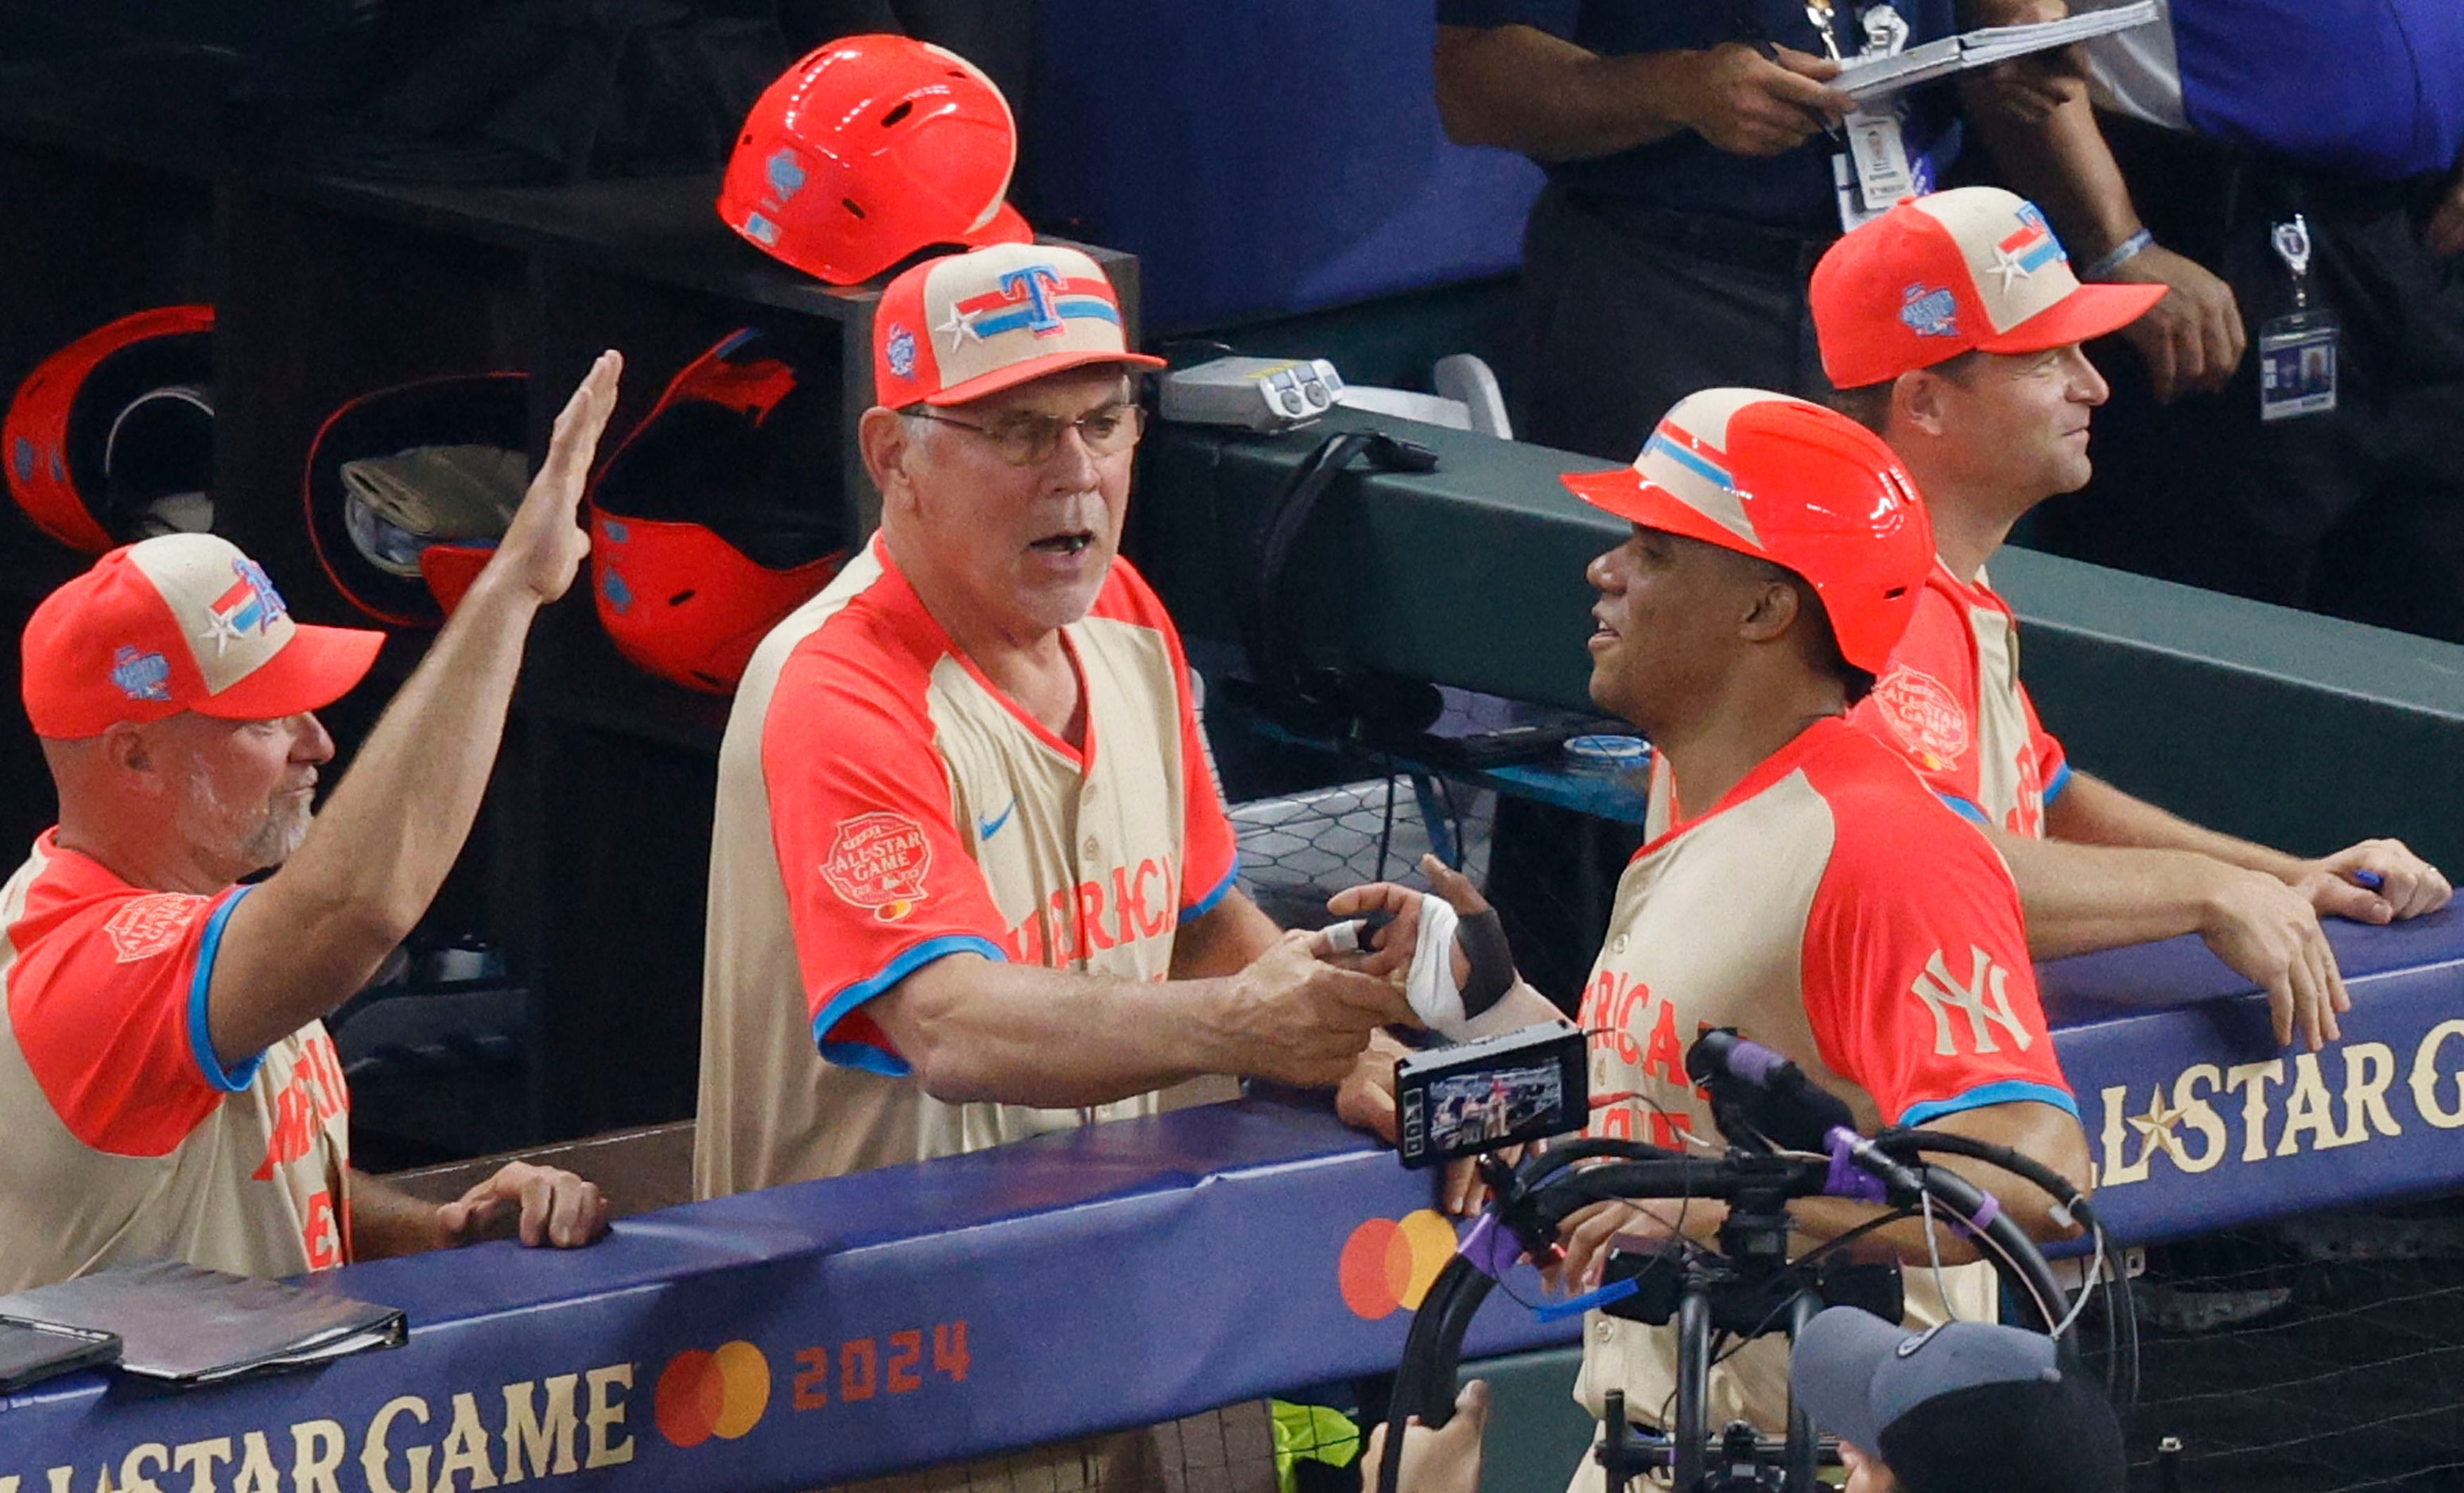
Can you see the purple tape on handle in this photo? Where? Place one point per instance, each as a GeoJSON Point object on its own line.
{"type": "Point", "coordinates": [1975, 1227]}
{"type": "Point", "coordinates": [1753, 1062]}
{"type": "Point", "coordinates": [2369, 879]}
{"type": "Point", "coordinates": [1847, 1178]}
{"type": "Point", "coordinates": [1491, 1249]}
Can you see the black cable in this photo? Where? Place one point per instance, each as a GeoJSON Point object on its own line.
{"type": "Point", "coordinates": [2024, 1167]}
{"type": "Point", "coordinates": [1386, 829]}
{"type": "Point", "coordinates": [1454, 819]}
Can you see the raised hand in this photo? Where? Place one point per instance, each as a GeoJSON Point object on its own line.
{"type": "Point", "coordinates": [544, 544]}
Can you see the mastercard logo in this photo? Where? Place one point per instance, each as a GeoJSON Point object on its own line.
{"type": "Point", "coordinates": [1388, 1265]}
{"type": "Point", "coordinates": [722, 1394]}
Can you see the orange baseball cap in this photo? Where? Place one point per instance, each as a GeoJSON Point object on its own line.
{"type": "Point", "coordinates": [963, 326]}
{"type": "Point", "coordinates": [1806, 488]}
{"type": "Point", "coordinates": [1974, 269]}
{"type": "Point", "coordinates": [184, 622]}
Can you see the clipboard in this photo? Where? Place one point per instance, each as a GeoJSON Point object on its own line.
{"type": "Point", "coordinates": [32, 1351]}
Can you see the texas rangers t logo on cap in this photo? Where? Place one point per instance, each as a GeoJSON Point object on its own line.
{"type": "Point", "coordinates": [2030, 248]}
{"type": "Point", "coordinates": [965, 325]}
{"type": "Point", "coordinates": [251, 604]}
{"type": "Point", "coordinates": [1036, 299]}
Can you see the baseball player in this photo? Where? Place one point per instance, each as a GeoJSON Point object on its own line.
{"type": "Point", "coordinates": [972, 879]}
{"type": "Point", "coordinates": [1775, 558]}
{"type": "Point", "coordinates": [1952, 327]}
{"type": "Point", "coordinates": [168, 1084]}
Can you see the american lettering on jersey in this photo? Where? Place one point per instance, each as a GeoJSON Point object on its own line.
{"type": "Point", "coordinates": [314, 1095]}
{"type": "Point", "coordinates": [1123, 906]}
{"type": "Point", "coordinates": [878, 862]}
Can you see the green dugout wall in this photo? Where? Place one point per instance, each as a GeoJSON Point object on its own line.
{"type": "Point", "coordinates": [2296, 730]}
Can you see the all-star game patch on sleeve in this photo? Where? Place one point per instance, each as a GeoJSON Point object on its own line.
{"type": "Point", "coordinates": [1916, 974]}
{"type": "Point", "coordinates": [107, 1002]}
{"type": "Point", "coordinates": [1210, 857]}
{"type": "Point", "coordinates": [879, 882]}
{"type": "Point", "coordinates": [1924, 706]}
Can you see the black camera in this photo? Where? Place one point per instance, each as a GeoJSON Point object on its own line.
{"type": "Point", "coordinates": [1486, 1095]}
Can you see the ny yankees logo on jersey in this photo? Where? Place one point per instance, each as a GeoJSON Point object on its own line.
{"type": "Point", "coordinates": [1980, 999]}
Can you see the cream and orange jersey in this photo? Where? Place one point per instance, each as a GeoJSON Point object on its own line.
{"type": "Point", "coordinates": [1830, 908]}
{"type": "Point", "coordinates": [129, 1139]}
{"type": "Point", "coordinates": [1951, 702]}
{"type": "Point", "coordinates": [881, 805]}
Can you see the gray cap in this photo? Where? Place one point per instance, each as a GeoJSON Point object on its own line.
{"type": "Point", "coordinates": [1965, 1404]}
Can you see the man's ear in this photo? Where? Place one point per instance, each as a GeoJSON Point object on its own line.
{"type": "Point", "coordinates": [1774, 611]}
{"type": "Point", "coordinates": [135, 759]}
{"type": "Point", "coordinates": [1918, 402]}
{"type": "Point", "coordinates": [888, 446]}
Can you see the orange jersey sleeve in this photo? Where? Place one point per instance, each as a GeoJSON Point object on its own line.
{"type": "Point", "coordinates": [1917, 980]}
{"type": "Point", "coordinates": [107, 1000]}
{"type": "Point", "coordinates": [879, 881]}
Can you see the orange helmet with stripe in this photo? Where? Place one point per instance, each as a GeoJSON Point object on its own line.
{"type": "Point", "coordinates": [1806, 488]}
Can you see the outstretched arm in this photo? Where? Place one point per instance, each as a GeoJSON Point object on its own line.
{"type": "Point", "coordinates": [299, 945]}
{"type": "Point", "coordinates": [2092, 811]}
{"type": "Point", "coordinates": [973, 1028]}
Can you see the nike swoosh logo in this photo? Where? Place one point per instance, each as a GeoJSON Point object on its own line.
{"type": "Point", "coordinates": [986, 828]}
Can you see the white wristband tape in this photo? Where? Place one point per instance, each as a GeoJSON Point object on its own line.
{"type": "Point", "coordinates": [1430, 986]}
{"type": "Point", "coordinates": [1439, 1001]}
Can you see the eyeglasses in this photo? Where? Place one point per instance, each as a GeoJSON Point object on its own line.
{"type": "Point", "coordinates": [1028, 439]}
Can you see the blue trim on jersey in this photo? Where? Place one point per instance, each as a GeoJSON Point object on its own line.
{"type": "Point", "coordinates": [873, 1060]}
{"type": "Point", "coordinates": [2009, 1090]}
{"type": "Point", "coordinates": [1965, 809]}
{"type": "Point", "coordinates": [1222, 889]}
{"type": "Point", "coordinates": [2061, 780]}
{"type": "Point", "coordinates": [201, 1037]}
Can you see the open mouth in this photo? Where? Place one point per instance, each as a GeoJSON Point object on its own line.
{"type": "Point", "coordinates": [1070, 542]}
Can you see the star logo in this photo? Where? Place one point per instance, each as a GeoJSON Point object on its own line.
{"type": "Point", "coordinates": [220, 630]}
{"type": "Point", "coordinates": [2156, 1129]}
{"type": "Point", "coordinates": [2008, 266]}
{"type": "Point", "coordinates": [960, 326]}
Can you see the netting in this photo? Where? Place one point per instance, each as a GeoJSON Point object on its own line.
{"type": "Point", "coordinates": [2324, 1355]}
